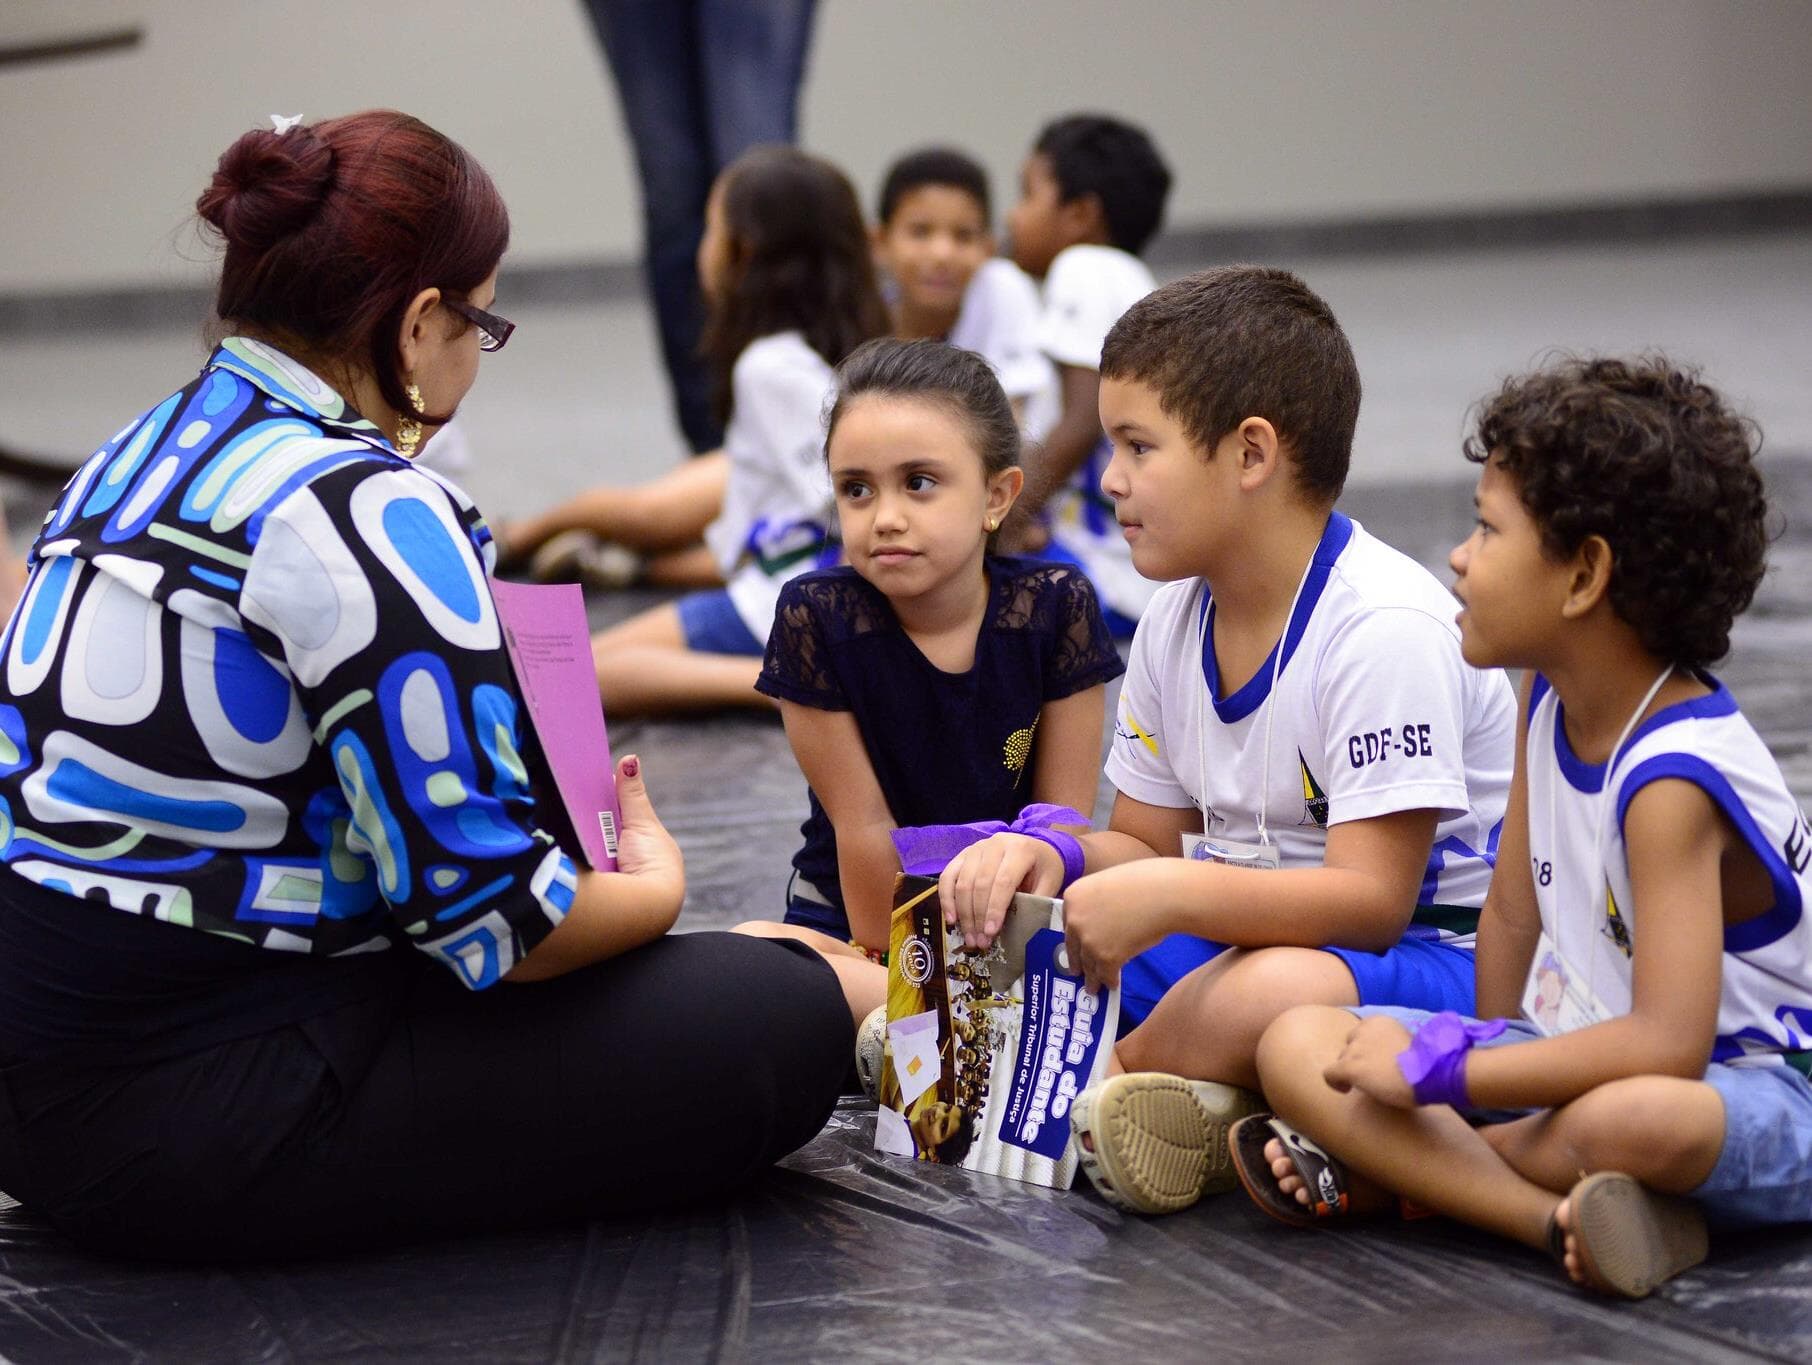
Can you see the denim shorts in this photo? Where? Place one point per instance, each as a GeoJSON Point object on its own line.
{"type": "Point", "coordinates": [810, 908]}
{"type": "Point", "coordinates": [1415, 971]}
{"type": "Point", "coordinates": [1764, 1171]}
{"type": "Point", "coordinates": [712, 625]}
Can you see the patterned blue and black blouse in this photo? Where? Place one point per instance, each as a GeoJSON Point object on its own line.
{"type": "Point", "coordinates": [256, 687]}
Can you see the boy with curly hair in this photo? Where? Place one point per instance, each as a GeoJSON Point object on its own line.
{"type": "Point", "coordinates": [1643, 955]}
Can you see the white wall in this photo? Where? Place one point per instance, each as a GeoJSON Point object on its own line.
{"type": "Point", "coordinates": [1280, 111]}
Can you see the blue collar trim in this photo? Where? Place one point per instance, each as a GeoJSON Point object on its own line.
{"type": "Point", "coordinates": [1334, 540]}
{"type": "Point", "coordinates": [1589, 777]}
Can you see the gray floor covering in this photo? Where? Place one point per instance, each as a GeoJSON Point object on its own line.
{"type": "Point", "coordinates": [842, 1253]}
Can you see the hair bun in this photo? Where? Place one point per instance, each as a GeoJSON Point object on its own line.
{"type": "Point", "coordinates": [267, 186]}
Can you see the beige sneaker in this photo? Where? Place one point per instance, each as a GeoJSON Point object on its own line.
{"type": "Point", "coordinates": [581, 557]}
{"type": "Point", "coordinates": [871, 1052]}
{"type": "Point", "coordinates": [1152, 1143]}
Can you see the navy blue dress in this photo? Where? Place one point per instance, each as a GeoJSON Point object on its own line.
{"type": "Point", "coordinates": [945, 747]}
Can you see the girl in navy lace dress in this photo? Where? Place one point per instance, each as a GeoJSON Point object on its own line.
{"type": "Point", "coordinates": [926, 681]}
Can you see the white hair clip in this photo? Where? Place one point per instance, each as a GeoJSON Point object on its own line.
{"type": "Point", "coordinates": [282, 123]}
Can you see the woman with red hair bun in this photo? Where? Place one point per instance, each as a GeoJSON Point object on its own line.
{"type": "Point", "coordinates": [287, 963]}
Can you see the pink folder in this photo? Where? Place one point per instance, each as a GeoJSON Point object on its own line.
{"type": "Point", "coordinates": [549, 641]}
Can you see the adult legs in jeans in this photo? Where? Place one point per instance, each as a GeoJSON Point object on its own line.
{"type": "Point", "coordinates": [669, 1076]}
{"type": "Point", "coordinates": [699, 82]}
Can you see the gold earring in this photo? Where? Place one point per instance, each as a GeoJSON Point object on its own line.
{"type": "Point", "coordinates": [408, 429]}
{"type": "Point", "coordinates": [993, 524]}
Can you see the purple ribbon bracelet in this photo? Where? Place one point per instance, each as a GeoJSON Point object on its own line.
{"type": "Point", "coordinates": [1068, 847]}
{"type": "Point", "coordinates": [925, 850]}
{"type": "Point", "coordinates": [1434, 1063]}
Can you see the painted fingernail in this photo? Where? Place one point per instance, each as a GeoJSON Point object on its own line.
{"type": "Point", "coordinates": [632, 767]}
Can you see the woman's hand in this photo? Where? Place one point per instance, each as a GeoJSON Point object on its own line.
{"type": "Point", "coordinates": [614, 912]}
{"type": "Point", "coordinates": [644, 848]}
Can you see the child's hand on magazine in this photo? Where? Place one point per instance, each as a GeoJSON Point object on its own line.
{"type": "Point", "coordinates": [1107, 921]}
{"type": "Point", "coordinates": [977, 886]}
{"type": "Point", "coordinates": [644, 848]}
{"type": "Point", "coordinates": [1368, 1063]}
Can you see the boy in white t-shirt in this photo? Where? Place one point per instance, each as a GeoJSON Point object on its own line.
{"type": "Point", "coordinates": [1296, 722]}
{"type": "Point", "coordinates": [1091, 196]}
{"type": "Point", "coordinates": [942, 279]}
{"type": "Point", "coordinates": [1645, 946]}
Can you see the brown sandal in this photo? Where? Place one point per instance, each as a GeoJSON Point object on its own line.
{"type": "Point", "coordinates": [1628, 1239]}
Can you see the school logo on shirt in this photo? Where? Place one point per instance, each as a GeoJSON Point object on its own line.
{"type": "Point", "coordinates": [1797, 847]}
{"type": "Point", "coordinates": [1129, 729]}
{"type": "Point", "coordinates": [1314, 799]}
{"type": "Point", "coordinates": [1615, 927]}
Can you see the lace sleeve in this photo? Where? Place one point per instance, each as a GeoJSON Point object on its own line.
{"type": "Point", "coordinates": [1082, 652]}
{"type": "Point", "coordinates": [797, 666]}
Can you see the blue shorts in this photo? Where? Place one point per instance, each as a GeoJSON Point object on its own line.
{"type": "Point", "coordinates": [809, 908]}
{"type": "Point", "coordinates": [1418, 971]}
{"type": "Point", "coordinates": [1764, 1171]}
{"type": "Point", "coordinates": [712, 625]}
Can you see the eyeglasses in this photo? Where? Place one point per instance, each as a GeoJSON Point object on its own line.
{"type": "Point", "coordinates": [493, 331]}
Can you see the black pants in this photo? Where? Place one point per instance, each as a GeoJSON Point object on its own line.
{"type": "Point", "coordinates": [670, 1075]}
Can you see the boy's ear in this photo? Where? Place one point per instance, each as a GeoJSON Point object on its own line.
{"type": "Point", "coordinates": [1084, 219]}
{"type": "Point", "coordinates": [1259, 452]}
{"type": "Point", "coordinates": [1003, 492]}
{"type": "Point", "coordinates": [1588, 579]}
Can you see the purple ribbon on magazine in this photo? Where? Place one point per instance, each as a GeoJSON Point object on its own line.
{"type": "Point", "coordinates": [925, 850]}
{"type": "Point", "coordinates": [1434, 1063]}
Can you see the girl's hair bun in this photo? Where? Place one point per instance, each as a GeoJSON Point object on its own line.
{"type": "Point", "coordinates": [267, 186]}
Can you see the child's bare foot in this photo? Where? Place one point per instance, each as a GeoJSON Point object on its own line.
{"type": "Point", "coordinates": [1294, 1180]}
{"type": "Point", "coordinates": [1569, 1261]}
{"type": "Point", "coordinates": [1362, 1196]}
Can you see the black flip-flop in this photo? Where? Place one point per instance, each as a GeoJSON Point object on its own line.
{"type": "Point", "coordinates": [1324, 1176]}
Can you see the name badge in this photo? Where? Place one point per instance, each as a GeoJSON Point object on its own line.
{"type": "Point", "coordinates": [1556, 997]}
{"type": "Point", "coordinates": [1203, 848]}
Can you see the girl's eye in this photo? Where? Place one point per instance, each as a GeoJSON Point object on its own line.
{"type": "Point", "coordinates": [1138, 447]}
{"type": "Point", "coordinates": [920, 483]}
{"type": "Point", "coordinates": [853, 490]}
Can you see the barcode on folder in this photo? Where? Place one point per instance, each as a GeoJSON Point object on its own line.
{"type": "Point", "coordinates": [608, 824]}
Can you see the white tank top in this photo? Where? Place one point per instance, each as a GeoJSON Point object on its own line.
{"type": "Point", "coordinates": [1765, 1004]}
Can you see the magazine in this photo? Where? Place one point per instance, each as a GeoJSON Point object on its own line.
{"type": "Point", "coordinates": [987, 1049]}
{"type": "Point", "coordinates": [549, 641]}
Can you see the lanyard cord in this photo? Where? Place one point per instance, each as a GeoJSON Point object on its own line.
{"type": "Point", "coordinates": [1606, 800]}
{"type": "Point", "coordinates": [1201, 717]}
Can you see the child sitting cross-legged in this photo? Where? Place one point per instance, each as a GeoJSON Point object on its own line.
{"type": "Point", "coordinates": [928, 681]}
{"type": "Point", "coordinates": [1310, 778]}
{"type": "Point", "coordinates": [1643, 955]}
